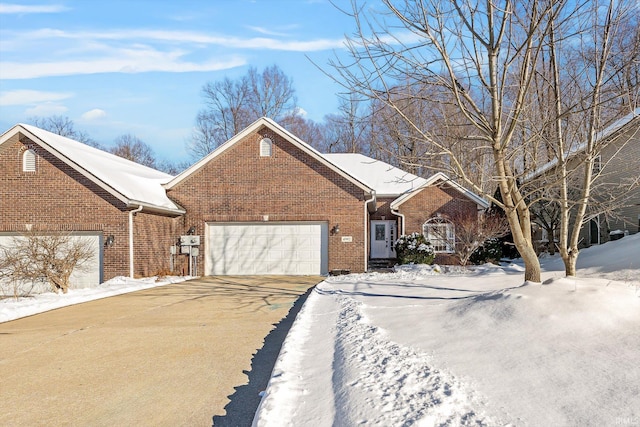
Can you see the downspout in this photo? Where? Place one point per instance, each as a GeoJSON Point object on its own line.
{"type": "Point", "coordinates": [131, 213]}
{"type": "Point", "coordinates": [366, 229]}
{"type": "Point", "coordinates": [397, 213]}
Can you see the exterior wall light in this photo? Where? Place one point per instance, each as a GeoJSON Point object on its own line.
{"type": "Point", "coordinates": [335, 229]}
{"type": "Point", "coordinates": [192, 230]}
{"type": "Point", "coordinates": [109, 241]}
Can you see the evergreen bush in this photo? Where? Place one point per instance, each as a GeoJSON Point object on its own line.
{"type": "Point", "coordinates": [414, 249]}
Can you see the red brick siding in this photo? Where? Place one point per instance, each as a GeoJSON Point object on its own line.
{"type": "Point", "coordinates": [56, 197]}
{"type": "Point", "coordinates": [442, 200]}
{"type": "Point", "coordinates": [153, 237]}
{"type": "Point", "coordinates": [383, 208]}
{"type": "Point", "coordinates": [241, 186]}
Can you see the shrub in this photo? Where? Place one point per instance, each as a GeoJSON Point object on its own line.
{"type": "Point", "coordinates": [489, 251]}
{"type": "Point", "coordinates": [414, 249]}
{"type": "Point", "coordinates": [48, 258]}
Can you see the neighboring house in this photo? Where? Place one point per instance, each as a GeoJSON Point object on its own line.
{"type": "Point", "coordinates": [615, 209]}
{"type": "Point", "coordinates": [49, 183]}
{"type": "Point", "coordinates": [265, 202]}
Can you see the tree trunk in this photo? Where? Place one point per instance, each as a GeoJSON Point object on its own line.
{"type": "Point", "coordinates": [570, 258]}
{"type": "Point", "coordinates": [531, 264]}
{"type": "Point", "coordinates": [524, 245]}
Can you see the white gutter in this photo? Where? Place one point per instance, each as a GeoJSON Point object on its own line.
{"type": "Point", "coordinates": [131, 213]}
{"type": "Point", "coordinates": [397, 213]}
{"type": "Point", "coordinates": [367, 229]}
{"type": "Point", "coordinates": [155, 208]}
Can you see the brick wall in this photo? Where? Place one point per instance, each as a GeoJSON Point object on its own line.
{"type": "Point", "coordinates": [241, 186]}
{"type": "Point", "coordinates": [152, 239]}
{"type": "Point", "coordinates": [431, 201]}
{"type": "Point", "coordinates": [57, 198]}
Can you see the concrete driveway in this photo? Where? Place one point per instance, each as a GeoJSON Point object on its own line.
{"type": "Point", "coordinates": [185, 354]}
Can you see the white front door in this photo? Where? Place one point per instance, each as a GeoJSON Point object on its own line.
{"type": "Point", "coordinates": [383, 236]}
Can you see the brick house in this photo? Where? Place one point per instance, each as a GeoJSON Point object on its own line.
{"type": "Point", "coordinates": [50, 183]}
{"type": "Point", "coordinates": [264, 202]}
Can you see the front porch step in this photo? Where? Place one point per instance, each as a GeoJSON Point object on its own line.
{"type": "Point", "coordinates": [381, 263]}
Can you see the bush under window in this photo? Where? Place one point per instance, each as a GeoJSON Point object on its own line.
{"type": "Point", "coordinates": [414, 249]}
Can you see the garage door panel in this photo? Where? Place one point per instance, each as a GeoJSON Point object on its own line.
{"type": "Point", "coordinates": [273, 248]}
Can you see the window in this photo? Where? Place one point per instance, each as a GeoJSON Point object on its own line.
{"type": "Point", "coordinates": [441, 234]}
{"type": "Point", "coordinates": [597, 165]}
{"type": "Point", "coordinates": [29, 161]}
{"type": "Point", "coordinates": [265, 147]}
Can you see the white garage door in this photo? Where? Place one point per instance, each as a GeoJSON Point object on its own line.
{"type": "Point", "coordinates": [89, 275]}
{"type": "Point", "coordinates": [291, 248]}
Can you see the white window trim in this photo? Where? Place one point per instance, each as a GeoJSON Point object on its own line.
{"type": "Point", "coordinates": [29, 161]}
{"type": "Point", "coordinates": [266, 147]}
{"type": "Point", "coordinates": [445, 240]}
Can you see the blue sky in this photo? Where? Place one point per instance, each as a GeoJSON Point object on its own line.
{"type": "Point", "coordinates": [137, 66]}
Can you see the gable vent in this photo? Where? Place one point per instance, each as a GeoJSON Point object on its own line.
{"type": "Point", "coordinates": [29, 161]}
{"type": "Point", "coordinates": [265, 147]}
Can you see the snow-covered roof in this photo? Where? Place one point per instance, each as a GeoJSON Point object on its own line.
{"type": "Point", "coordinates": [266, 122]}
{"type": "Point", "coordinates": [390, 181]}
{"type": "Point", "coordinates": [385, 179]}
{"type": "Point", "coordinates": [609, 130]}
{"type": "Point", "coordinates": [132, 183]}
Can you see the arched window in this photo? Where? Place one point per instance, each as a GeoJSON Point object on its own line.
{"type": "Point", "coordinates": [265, 147]}
{"type": "Point", "coordinates": [29, 161]}
{"type": "Point", "coordinates": [440, 232]}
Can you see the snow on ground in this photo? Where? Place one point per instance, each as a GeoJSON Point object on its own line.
{"type": "Point", "coordinates": [11, 308]}
{"type": "Point", "coordinates": [433, 346]}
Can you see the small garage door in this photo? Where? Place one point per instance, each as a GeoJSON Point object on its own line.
{"type": "Point", "coordinates": [290, 248]}
{"type": "Point", "coordinates": [90, 274]}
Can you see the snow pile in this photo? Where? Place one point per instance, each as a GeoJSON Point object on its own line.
{"type": "Point", "coordinates": [11, 308]}
{"type": "Point", "coordinates": [431, 346]}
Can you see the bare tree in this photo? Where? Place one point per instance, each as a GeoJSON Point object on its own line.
{"type": "Point", "coordinates": [231, 105]}
{"type": "Point", "coordinates": [63, 126]}
{"type": "Point", "coordinates": [271, 94]}
{"type": "Point", "coordinates": [51, 258]}
{"type": "Point", "coordinates": [172, 168]}
{"type": "Point", "coordinates": [133, 148]}
{"type": "Point", "coordinates": [348, 130]}
{"type": "Point", "coordinates": [483, 55]}
{"type": "Point", "coordinates": [472, 231]}
{"type": "Point", "coordinates": [306, 129]}
{"type": "Point", "coordinates": [577, 126]}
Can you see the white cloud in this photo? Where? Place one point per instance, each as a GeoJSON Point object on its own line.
{"type": "Point", "coordinates": [188, 37]}
{"type": "Point", "coordinates": [30, 97]}
{"type": "Point", "coordinates": [94, 114]}
{"type": "Point", "coordinates": [46, 109]}
{"type": "Point", "coordinates": [9, 8]}
{"type": "Point", "coordinates": [278, 31]}
{"type": "Point", "coordinates": [144, 62]}
{"type": "Point", "coordinates": [134, 51]}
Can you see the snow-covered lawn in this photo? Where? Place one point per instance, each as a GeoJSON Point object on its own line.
{"type": "Point", "coordinates": [422, 347]}
{"type": "Point", "coordinates": [11, 308]}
